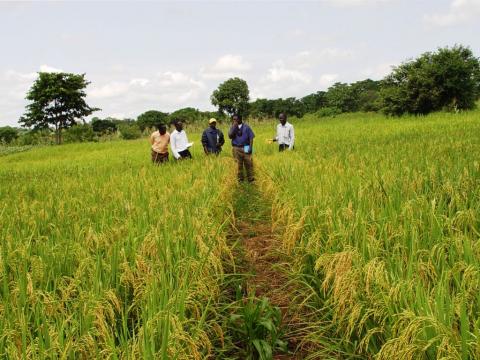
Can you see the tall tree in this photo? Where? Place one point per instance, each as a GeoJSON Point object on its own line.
{"type": "Point", "coordinates": [58, 100]}
{"type": "Point", "coordinates": [232, 97]}
{"type": "Point", "coordinates": [446, 79]}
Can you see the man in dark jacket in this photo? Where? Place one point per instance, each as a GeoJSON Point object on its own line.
{"type": "Point", "coordinates": [212, 138]}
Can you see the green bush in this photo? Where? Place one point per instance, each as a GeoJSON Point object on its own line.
{"type": "Point", "coordinates": [328, 111]}
{"type": "Point", "coordinates": [79, 133]}
{"type": "Point", "coordinates": [448, 79]}
{"type": "Point", "coordinates": [103, 126]}
{"type": "Point", "coordinates": [36, 137]}
{"type": "Point", "coordinates": [129, 131]}
{"type": "Point", "coordinates": [8, 134]}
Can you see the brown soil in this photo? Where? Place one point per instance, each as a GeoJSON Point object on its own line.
{"type": "Point", "coordinates": [269, 278]}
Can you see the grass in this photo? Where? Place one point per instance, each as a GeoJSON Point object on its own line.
{"type": "Point", "coordinates": [103, 255]}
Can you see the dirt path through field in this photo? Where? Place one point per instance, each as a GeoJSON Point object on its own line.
{"type": "Point", "coordinates": [263, 259]}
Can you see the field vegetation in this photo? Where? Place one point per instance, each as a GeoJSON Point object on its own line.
{"type": "Point", "coordinates": [104, 255]}
{"type": "Point", "coordinates": [381, 219]}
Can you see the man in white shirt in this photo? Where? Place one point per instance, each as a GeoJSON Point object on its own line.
{"type": "Point", "coordinates": [179, 142]}
{"type": "Point", "coordinates": [285, 134]}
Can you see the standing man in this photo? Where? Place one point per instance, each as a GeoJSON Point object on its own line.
{"type": "Point", "coordinates": [159, 141]}
{"type": "Point", "coordinates": [242, 144]}
{"type": "Point", "coordinates": [285, 134]}
{"type": "Point", "coordinates": [179, 142]}
{"type": "Point", "coordinates": [212, 138]}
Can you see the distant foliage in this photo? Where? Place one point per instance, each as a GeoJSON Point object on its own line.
{"type": "Point", "coordinates": [328, 112]}
{"type": "Point", "coordinates": [129, 131]}
{"type": "Point", "coordinates": [232, 97]}
{"type": "Point", "coordinates": [79, 133]}
{"type": "Point", "coordinates": [37, 137]}
{"type": "Point", "coordinates": [150, 119]}
{"type": "Point", "coordinates": [103, 126]}
{"type": "Point", "coordinates": [447, 79]}
{"type": "Point", "coordinates": [8, 134]}
{"type": "Point", "coordinates": [58, 100]}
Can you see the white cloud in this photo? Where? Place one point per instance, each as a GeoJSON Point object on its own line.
{"type": "Point", "coordinates": [177, 79]}
{"type": "Point", "coordinates": [139, 82]}
{"type": "Point", "coordinates": [311, 58]}
{"type": "Point", "coordinates": [379, 71]}
{"type": "Point", "coordinates": [49, 69]}
{"type": "Point", "coordinates": [460, 11]}
{"type": "Point", "coordinates": [20, 77]}
{"type": "Point", "coordinates": [113, 89]}
{"type": "Point", "coordinates": [327, 80]}
{"type": "Point", "coordinates": [225, 67]}
{"type": "Point", "coordinates": [280, 73]}
{"type": "Point", "coordinates": [166, 91]}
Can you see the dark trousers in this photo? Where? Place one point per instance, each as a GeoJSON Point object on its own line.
{"type": "Point", "coordinates": [158, 158]}
{"type": "Point", "coordinates": [283, 147]}
{"type": "Point", "coordinates": [185, 154]}
{"type": "Point", "coordinates": [244, 161]}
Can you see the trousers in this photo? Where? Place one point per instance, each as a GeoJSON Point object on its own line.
{"type": "Point", "coordinates": [244, 162]}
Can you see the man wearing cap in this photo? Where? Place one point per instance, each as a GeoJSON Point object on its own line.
{"type": "Point", "coordinates": [159, 141]}
{"type": "Point", "coordinates": [212, 138]}
{"type": "Point", "coordinates": [285, 134]}
{"type": "Point", "coordinates": [242, 142]}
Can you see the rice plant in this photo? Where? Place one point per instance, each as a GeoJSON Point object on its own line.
{"type": "Point", "coordinates": [382, 219]}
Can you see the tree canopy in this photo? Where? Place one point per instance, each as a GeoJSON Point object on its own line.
{"type": "Point", "coordinates": [446, 79]}
{"type": "Point", "coordinates": [58, 100]}
{"type": "Point", "coordinates": [232, 97]}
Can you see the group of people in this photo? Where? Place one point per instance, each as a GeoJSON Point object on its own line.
{"type": "Point", "coordinates": [240, 134]}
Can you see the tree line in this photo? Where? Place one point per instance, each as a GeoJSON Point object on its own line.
{"type": "Point", "coordinates": [446, 79]}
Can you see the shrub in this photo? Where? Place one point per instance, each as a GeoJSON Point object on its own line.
{"type": "Point", "coordinates": [79, 133]}
{"type": "Point", "coordinates": [129, 131]}
{"type": "Point", "coordinates": [328, 111]}
{"type": "Point", "coordinates": [8, 134]}
{"type": "Point", "coordinates": [36, 137]}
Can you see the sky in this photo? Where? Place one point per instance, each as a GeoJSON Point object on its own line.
{"type": "Point", "coordinates": [164, 56]}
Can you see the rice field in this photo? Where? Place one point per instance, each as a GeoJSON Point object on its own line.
{"type": "Point", "coordinates": [381, 217]}
{"type": "Point", "coordinates": [105, 256]}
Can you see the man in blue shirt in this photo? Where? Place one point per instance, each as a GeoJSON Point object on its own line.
{"type": "Point", "coordinates": [212, 138]}
{"type": "Point", "coordinates": [242, 143]}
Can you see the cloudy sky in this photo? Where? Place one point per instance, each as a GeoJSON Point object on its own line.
{"type": "Point", "coordinates": [160, 55]}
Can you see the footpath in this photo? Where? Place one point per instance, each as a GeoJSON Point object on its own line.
{"type": "Point", "coordinates": [269, 319]}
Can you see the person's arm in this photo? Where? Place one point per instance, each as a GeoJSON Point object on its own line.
{"type": "Point", "coordinates": [173, 146]}
{"type": "Point", "coordinates": [232, 132]}
{"type": "Point", "coordinates": [252, 135]}
{"type": "Point", "coordinates": [205, 142]}
{"type": "Point", "coordinates": [221, 138]}
{"type": "Point", "coordinates": [275, 138]}
{"type": "Point", "coordinates": [151, 139]}
{"type": "Point", "coordinates": [292, 138]}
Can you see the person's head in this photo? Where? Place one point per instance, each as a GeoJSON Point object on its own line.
{"type": "Point", "coordinates": [178, 125]}
{"type": "Point", "coordinates": [212, 123]}
{"type": "Point", "coordinates": [162, 129]}
{"type": "Point", "coordinates": [237, 118]}
{"type": "Point", "coordinates": [282, 118]}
